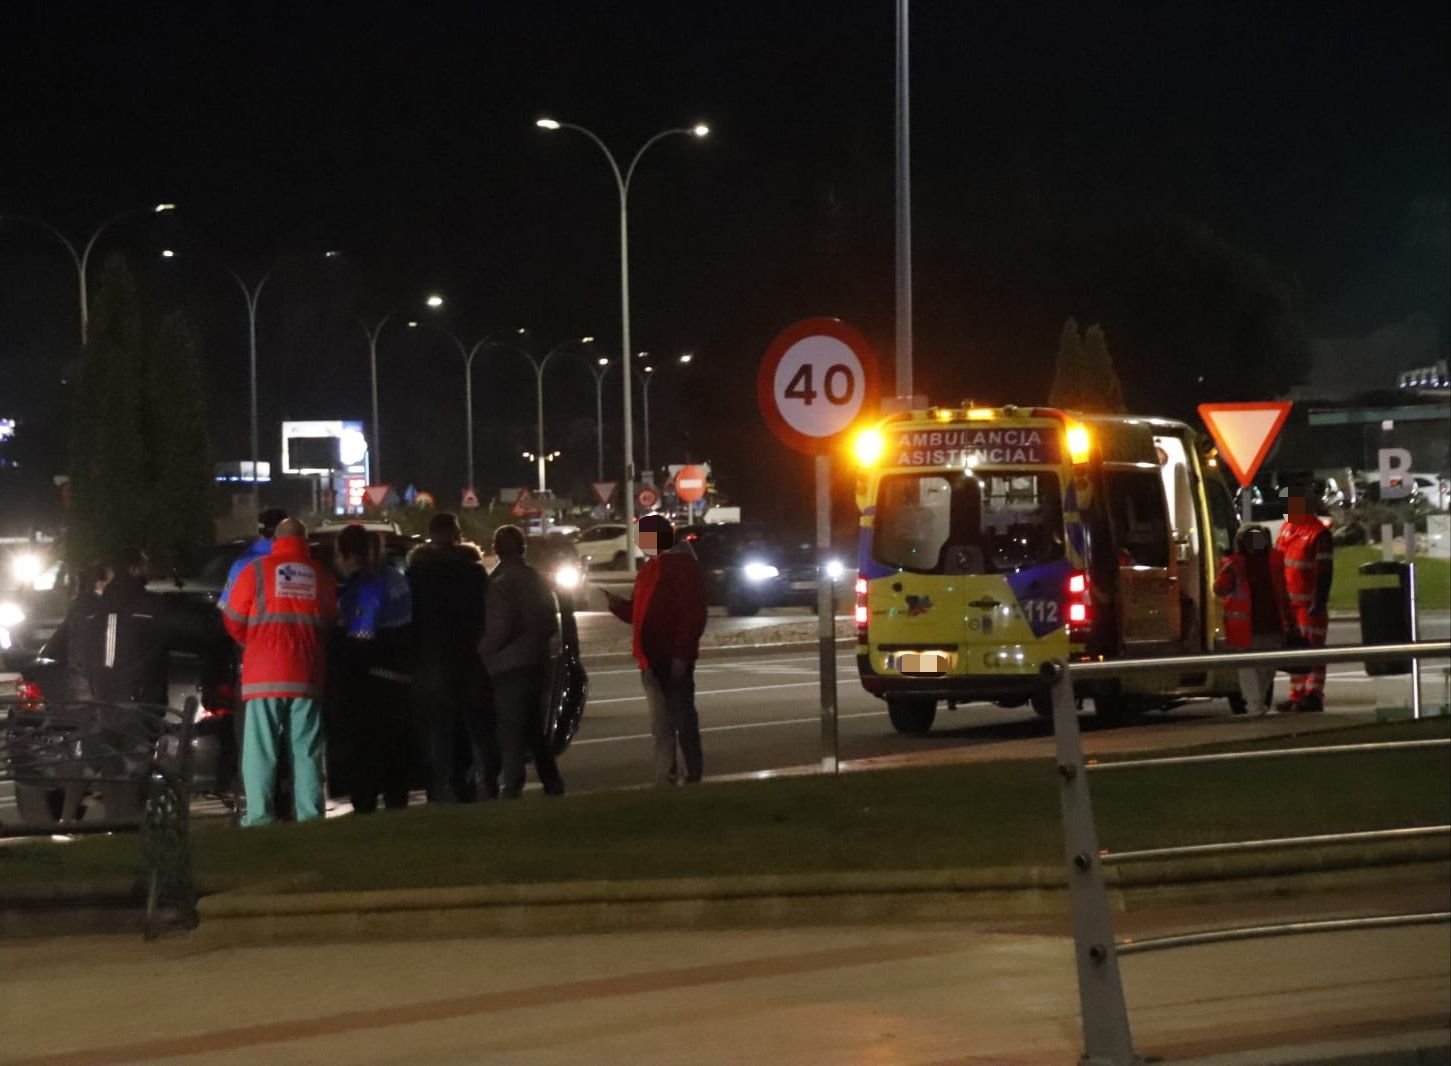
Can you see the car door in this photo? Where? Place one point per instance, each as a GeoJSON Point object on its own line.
{"type": "Point", "coordinates": [1149, 602]}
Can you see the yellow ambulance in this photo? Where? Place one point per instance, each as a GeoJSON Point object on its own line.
{"type": "Point", "coordinates": [995, 539]}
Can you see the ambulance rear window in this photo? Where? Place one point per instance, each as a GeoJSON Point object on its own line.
{"type": "Point", "coordinates": [968, 523]}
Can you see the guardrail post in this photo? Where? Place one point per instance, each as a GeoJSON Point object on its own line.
{"type": "Point", "coordinates": [1105, 1020]}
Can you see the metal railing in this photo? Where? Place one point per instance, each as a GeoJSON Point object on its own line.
{"type": "Point", "coordinates": [135, 759]}
{"type": "Point", "coordinates": [1107, 1037]}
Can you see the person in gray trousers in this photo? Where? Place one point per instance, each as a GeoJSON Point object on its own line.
{"type": "Point", "coordinates": [519, 621]}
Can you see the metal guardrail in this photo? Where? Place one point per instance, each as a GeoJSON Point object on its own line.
{"type": "Point", "coordinates": [136, 757]}
{"type": "Point", "coordinates": [1107, 1038]}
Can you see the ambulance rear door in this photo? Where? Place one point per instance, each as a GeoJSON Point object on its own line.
{"type": "Point", "coordinates": [1149, 601]}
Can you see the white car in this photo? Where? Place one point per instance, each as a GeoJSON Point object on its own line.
{"type": "Point", "coordinates": [1436, 491]}
{"type": "Point", "coordinates": [602, 547]}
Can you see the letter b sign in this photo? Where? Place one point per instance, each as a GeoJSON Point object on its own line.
{"type": "Point", "coordinates": [1395, 474]}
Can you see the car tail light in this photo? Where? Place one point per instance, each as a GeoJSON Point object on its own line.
{"type": "Point", "coordinates": [217, 701]}
{"type": "Point", "coordinates": [1080, 606]}
{"type": "Point", "coordinates": [861, 610]}
{"type": "Point", "coordinates": [27, 695]}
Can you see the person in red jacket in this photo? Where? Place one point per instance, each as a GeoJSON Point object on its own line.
{"type": "Point", "coordinates": [668, 614]}
{"type": "Point", "coordinates": [280, 609]}
{"type": "Point", "coordinates": [1309, 555]}
{"type": "Point", "coordinates": [1256, 610]}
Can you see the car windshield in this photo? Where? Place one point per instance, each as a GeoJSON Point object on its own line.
{"type": "Point", "coordinates": [987, 522]}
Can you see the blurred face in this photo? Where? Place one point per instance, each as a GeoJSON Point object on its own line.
{"type": "Point", "coordinates": [649, 542]}
{"type": "Point", "coordinates": [1297, 505]}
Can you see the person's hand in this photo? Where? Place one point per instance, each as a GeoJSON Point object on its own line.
{"type": "Point", "coordinates": [679, 669]}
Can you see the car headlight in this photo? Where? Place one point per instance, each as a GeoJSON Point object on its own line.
{"type": "Point", "coordinates": [26, 567]}
{"type": "Point", "coordinates": [760, 572]}
{"type": "Point", "coordinates": [834, 569]}
{"type": "Point", "coordinates": [11, 615]}
{"type": "Point", "coordinates": [568, 576]}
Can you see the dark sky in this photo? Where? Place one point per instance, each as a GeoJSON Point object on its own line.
{"type": "Point", "coordinates": [1312, 136]}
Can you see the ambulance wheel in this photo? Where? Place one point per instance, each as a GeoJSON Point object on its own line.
{"type": "Point", "coordinates": [912, 715]}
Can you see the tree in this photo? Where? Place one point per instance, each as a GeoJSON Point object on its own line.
{"type": "Point", "coordinates": [178, 448]}
{"type": "Point", "coordinates": [108, 484]}
{"type": "Point", "coordinates": [1085, 379]}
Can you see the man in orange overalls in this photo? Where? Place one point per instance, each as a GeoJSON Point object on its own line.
{"type": "Point", "coordinates": [1309, 559]}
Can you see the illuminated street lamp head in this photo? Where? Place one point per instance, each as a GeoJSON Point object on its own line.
{"type": "Point", "coordinates": [167, 253]}
{"type": "Point", "coordinates": [434, 300]}
{"type": "Point", "coordinates": [603, 361]}
{"type": "Point", "coordinates": [412, 323]}
{"type": "Point", "coordinates": [686, 357]}
{"type": "Point", "coordinates": [331, 253]}
{"type": "Point", "coordinates": [649, 370]}
{"type": "Point", "coordinates": [700, 129]}
{"type": "Point", "coordinates": [522, 330]}
{"type": "Point", "coordinates": [159, 208]}
{"type": "Point", "coordinates": [586, 340]}
{"type": "Point", "coordinates": [547, 124]}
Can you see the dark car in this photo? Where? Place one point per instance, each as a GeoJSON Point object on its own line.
{"type": "Point", "coordinates": [749, 566]}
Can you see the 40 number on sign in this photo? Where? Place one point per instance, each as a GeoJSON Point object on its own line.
{"type": "Point", "coordinates": [838, 383]}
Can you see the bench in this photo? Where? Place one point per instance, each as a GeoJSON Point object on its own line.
{"type": "Point", "coordinates": [87, 768]}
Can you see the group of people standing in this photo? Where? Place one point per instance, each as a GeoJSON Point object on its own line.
{"type": "Point", "coordinates": [443, 657]}
{"type": "Point", "coordinates": [1279, 596]}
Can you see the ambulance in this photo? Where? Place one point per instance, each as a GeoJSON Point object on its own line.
{"type": "Point", "coordinates": [996, 539]}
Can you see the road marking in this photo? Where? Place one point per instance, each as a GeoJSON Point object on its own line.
{"type": "Point", "coordinates": [710, 692]}
{"type": "Point", "coordinates": [728, 728]}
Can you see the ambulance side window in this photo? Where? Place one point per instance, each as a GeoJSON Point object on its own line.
{"type": "Point", "coordinates": [914, 517]}
{"type": "Point", "coordinates": [1139, 515]}
{"type": "Point", "coordinates": [1221, 516]}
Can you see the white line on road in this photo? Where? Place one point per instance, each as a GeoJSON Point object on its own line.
{"type": "Point", "coordinates": [727, 728]}
{"type": "Point", "coordinates": [711, 692]}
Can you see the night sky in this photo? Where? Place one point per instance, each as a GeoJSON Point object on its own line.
{"type": "Point", "coordinates": [1311, 137]}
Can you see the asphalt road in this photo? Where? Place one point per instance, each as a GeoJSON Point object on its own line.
{"type": "Point", "coordinates": [761, 713]}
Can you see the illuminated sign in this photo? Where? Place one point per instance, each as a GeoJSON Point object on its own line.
{"type": "Point", "coordinates": [964, 447]}
{"type": "Point", "coordinates": [324, 447]}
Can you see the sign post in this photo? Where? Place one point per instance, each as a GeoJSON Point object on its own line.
{"type": "Point", "coordinates": [817, 377]}
{"type": "Point", "coordinates": [1244, 433]}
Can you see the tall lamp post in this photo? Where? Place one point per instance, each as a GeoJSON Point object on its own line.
{"type": "Point", "coordinates": [251, 294]}
{"type": "Point", "coordinates": [82, 256]}
{"type": "Point", "coordinates": [622, 182]}
{"type": "Point", "coordinates": [538, 366]}
{"type": "Point", "coordinates": [466, 353]}
{"type": "Point", "coordinates": [373, 333]}
{"type": "Point", "coordinates": [644, 377]}
{"type": "Point", "coordinates": [598, 368]}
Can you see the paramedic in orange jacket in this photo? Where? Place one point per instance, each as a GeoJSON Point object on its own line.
{"type": "Point", "coordinates": [1309, 556]}
{"type": "Point", "coordinates": [1256, 609]}
{"type": "Point", "coordinates": [280, 609]}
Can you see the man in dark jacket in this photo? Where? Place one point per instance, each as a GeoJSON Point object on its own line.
{"type": "Point", "coordinates": [373, 657]}
{"type": "Point", "coordinates": [451, 697]}
{"type": "Point", "coordinates": [116, 647]}
{"type": "Point", "coordinates": [668, 613]}
{"type": "Point", "coordinates": [519, 624]}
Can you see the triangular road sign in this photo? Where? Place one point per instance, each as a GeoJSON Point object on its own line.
{"type": "Point", "coordinates": [1244, 432]}
{"type": "Point", "coordinates": [604, 490]}
{"type": "Point", "coordinates": [524, 504]}
{"type": "Point", "coordinates": [469, 499]}
{"type": "Point", "coordinates": [377, 495]}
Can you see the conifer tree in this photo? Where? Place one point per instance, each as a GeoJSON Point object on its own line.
{"type": "Point", "coordinates": [1085, 379]}
{"type": "Point", "coordinates": [178, 449]}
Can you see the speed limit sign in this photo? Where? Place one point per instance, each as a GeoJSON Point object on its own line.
{"type": "Point", "coordinates": [817, 377]}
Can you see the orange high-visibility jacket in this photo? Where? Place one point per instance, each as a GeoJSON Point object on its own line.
{"type": "Point", "coordinates": [1309, 559]}
{"type": "Point", "coordinates": [279, 609]}
{"type": "Point", "coordinates": [1233, 584]}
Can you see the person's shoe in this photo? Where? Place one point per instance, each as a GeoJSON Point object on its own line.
{"type": "Point", "coordinates": [1311, 703]}
{"type": "Point", "coordinates": [1287, 705]}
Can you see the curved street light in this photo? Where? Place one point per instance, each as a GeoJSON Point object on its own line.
{"type": "Point", "coordinates": [82, 256]}
{"type": "Point", "coordinates": [538, 365]}
{"type": "Point", "coordinates": [251, 294]}
{"type": "Point", "coordinates": [433, 301]}
{"type": "Point", "coordinates": [466, 353]}
{"type": "Point", "coordinates": [598, 367]}
{"type": "Point", "coordinates": [622, 183]}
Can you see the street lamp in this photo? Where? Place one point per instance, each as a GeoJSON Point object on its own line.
{"type": "Point", "coordinates": [644, 377]}
{"type": "Point", "coordinates": [82, 257]}
{"type": "Point", "coordinates": [251, 294]}
{"type": "Point", "coordinates": [622, 183]}
{"type": "Point", "coordinates": [538, 365]}
{"type": "Point", "coordinates": [467, 354]}
{"type": "Point", "coordinates": [433, 301]}
{"type": "Point", "coordinates": [598, 368]}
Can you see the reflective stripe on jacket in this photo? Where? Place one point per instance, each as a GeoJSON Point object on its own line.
{"type": "Point", "coordinates": [1309, 560]}
{"type": "Point", "coordinates": [279, 610]}
{"type": "Point", "coordinates": [1235, 586]}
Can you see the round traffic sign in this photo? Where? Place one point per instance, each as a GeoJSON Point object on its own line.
{"type": "Point", "coordinates": [690, 484]}
{"type": "Point", "coordinates": [647, 497]}
{"type": "Point", "coordinates": [817, 377]}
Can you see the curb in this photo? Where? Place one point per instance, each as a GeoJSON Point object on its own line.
{"type": "Point", "coordinates": [1429, 1048]}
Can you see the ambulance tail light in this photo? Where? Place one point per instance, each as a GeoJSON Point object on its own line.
{"type": "Point", "coordinates": [861, 610]}
{"type": "Point", "coordinates": [1080, 606]}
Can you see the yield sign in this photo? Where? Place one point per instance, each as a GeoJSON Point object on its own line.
{"type": "Point", "coordinates": [524, 504]}
{"type": "Point", "coordinates": [604, 490]}
{"type": "Point", "coordinates": [377, 495]}
{"type": "Point", "coordinates": [1244, 433]}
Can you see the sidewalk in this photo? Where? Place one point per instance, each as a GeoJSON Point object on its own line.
{"type": "Point", "coordinates": [948, 995]}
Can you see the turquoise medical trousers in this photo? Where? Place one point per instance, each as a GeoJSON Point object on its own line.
{"type": "Point", "coordinates": [268, 721]}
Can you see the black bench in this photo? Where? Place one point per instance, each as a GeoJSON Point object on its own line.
{"type": "Point", "coordinates": [82, 767]}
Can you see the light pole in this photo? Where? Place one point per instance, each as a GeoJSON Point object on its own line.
{"type": "Point", "coordinates": [644, 377]}
{"type": "Point", "coordinates": [598, 368]}
{"type": "Point", "coordinates": [82, 257]}
{"type": "Point", "coordinates": [538, 365]}
{"type": "Point", "coordinates": [466, 353]}
{"type": "Point", "coordinates": [251, 294]}
{"type": "Point", "coordinates": [622, 182]}
{"type": "Point", "coordinates": [373, 333]}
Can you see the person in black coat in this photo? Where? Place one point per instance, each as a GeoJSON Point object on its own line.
{"type": "Point", "coordinates": [116, 648]}
{"type": "Point", "coordinates": [451, 697]}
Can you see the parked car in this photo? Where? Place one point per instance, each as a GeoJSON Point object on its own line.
{"type": "Point", "coordinates": [602, 547]}
{"type": "Point", "coordinates": [749, 566]}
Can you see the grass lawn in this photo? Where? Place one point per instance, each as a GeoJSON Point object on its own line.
{"type": "Point", "coordinates": [981, 814]}
{"type": "Point", "coordinates": [1433, 579]}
